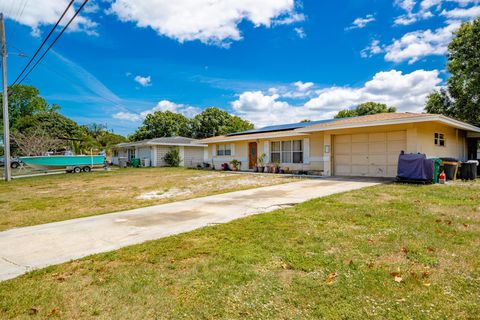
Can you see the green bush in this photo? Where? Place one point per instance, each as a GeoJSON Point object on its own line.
{"type": "Point", "coordinates": [172, 158]}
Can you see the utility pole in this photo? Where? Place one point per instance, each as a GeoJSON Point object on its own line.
{"type": "Point", "coordinates": [6, 127]}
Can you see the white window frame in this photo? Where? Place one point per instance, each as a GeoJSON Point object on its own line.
{"type": "Point", "coordinates": [291, 152]}
{"type": "Point", "coordinates": [439, 139]}
{"type": "Point", "coordinates": [224, 150]}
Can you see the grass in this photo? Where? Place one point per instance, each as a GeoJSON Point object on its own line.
{"type": "Point", "coordinates": [386, 252]}
{"type": "Point", "coordinates": [36, 200]}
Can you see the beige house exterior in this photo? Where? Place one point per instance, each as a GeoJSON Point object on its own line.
{"type": "Point", "coordinates": [151, 152]}
{"type": "Point", "coordinates": [357, 146]}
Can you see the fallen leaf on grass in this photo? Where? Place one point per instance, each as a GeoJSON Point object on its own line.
{"type": "Point", "coordinates": [396, 276]}
{"type": "Point", "coordinates": [331, 277]}
{"type": "Point", "coordinates": [430, 249]}
{"type": "Point", "coordinates": [449, 222]}
{"type": "Point", "coordinates": [33, 310]}
{"type": "Point", "coordinates": [404, 250]}
{"type": "Point", "coordinates": [427, 284]}
{"type": "Point", "coordinates": [370, 240]}
{"type": "Point", "coordinates": [438, 220]}
{"type": "Point", "coordinates": [465, 225]}
{"type": "Point", "coordinates": [52, 312]}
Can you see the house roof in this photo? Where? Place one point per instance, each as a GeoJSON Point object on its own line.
{"type": "Point", "coordinates": [388, 119]}
{"type": "Point", "coordinates": [164, 141]}
{"type": "Point", "coordinates": [282, 127]}
{"type": "Point", "coordinates": [253, 136]}
{"type": "Point", "coordinates": [343, 123]}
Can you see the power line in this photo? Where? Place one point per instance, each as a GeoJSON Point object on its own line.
{"type": "Point", "coordinates": [54, 41]}
{"type": "Point", "coordinates": [45, 40]}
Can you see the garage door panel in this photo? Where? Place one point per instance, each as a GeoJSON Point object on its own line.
{"type": "Point", "coordinates": [378, 136]}
{"type": "Point", "coordinates": [392, 171]}
{"type": "Point", "coordinates": [363, 137]}
{"type": "Point", "coordinates": [360, 170]}
{"type": "Point", "coordinates": [343, 159]}
{"type": "Point", "coordinates": [359, 159]}
{"type": "Point", "coordinates": [345, 138]}
{"type": "Point", "coordinates": [343, 148]}
{"type": "Point", "coordinates": [360, 148]}
{"type": "Point", "coordinates": [380, 159]}
{"type": "Point", "coordinates": [397, 136]}
{"type": "Point", "coordinates": [377, 171]}
{"type": "Point", "coordinates": [392, 159]}
{"type": "Point", "coordinates": [344, 170]}
{"type": "Point", "coordinates": [377, 147]}
{"type": "Point", "coordinates": [396, 146]}
{"type": "Point", "coordinates": [368, 154]}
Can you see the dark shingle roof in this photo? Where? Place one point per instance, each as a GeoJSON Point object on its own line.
{"type": "Point", "coordinates": [181, 141]}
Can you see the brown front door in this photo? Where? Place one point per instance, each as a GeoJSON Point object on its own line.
{"type": "Point", "coordinates": [252, 155]}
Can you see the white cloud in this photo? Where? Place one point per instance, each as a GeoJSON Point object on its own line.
{"type": "Point", "coordinates": [143, 81]}
{"type": "Point", "coordinates": [36, 14]}
{"type": "Point", "coordinates": [418, 44]}
{"type": "Point", "coordinates": [360, 23]}
{"type": "Point", "coordinates": [211, 22]}
{"type": "Point", "coordinates": [371, 50]}
{"type": "Point", "coordinates": [407, 92]}
{"type": "Point", "coordinates": [303, 86]}
{"type": "Point", "coordinates": [460, 13]}
{"type": "Point", "coordinates": [264, 109]}
{"type": "Point", "coordinates": [163, 105]}
{"type": "Point", "coordinates": [300, 32]}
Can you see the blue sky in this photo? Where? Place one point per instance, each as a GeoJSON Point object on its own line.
{"type": "Point", "coordinates": [270, 61]}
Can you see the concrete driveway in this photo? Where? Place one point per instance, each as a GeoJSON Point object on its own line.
{"type": "Point", "coordinates": [25, 249]}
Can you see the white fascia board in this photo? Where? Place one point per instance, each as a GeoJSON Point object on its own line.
{"type": "Point", "coordinates": [177, 144]}
{"type": "Point", "coordinates": [243, 138]}
{"type": "Point", "coordinates": [440, 118]}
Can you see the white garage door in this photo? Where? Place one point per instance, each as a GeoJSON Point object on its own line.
{"type": "Point", "coordinates": [372, 154]}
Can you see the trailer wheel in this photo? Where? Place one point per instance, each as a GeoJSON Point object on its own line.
{"type": "Point", "coordinates": [87, 169]}
{"type": "Point", "coordinates": [77, 170]}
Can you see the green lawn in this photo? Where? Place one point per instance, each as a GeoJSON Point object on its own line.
{"type": "Point", "coordinates": [42, 199]}
{"type": "Point", "coordinates": [386, 252]}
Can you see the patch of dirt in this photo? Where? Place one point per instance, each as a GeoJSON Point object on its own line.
{"type": "Point", "coordinates": [160, 194]}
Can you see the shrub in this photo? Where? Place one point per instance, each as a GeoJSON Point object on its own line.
{"type": "Point", "coordinates": [172, 158]}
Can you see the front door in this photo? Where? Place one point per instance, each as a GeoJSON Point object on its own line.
{"type": "Point", "coordinates": [252, 155]}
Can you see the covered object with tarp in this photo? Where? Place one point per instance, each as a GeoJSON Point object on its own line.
{"type": "Point", "coordinates": [415, 167]}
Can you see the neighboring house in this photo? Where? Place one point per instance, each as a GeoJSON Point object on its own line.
{"type": "Point", "coordinates": [356, 146]}
{"type": "Point", "coordinates": [192, 152]}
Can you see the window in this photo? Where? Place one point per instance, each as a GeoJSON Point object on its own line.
{"type": "Point", "coordinates": [115, 153]}
{"type": "Point", "coordinates": [287, 151]}
{"type": "Point", "coordinates": [224, 150]}
{"type": "Point", "coordinates": [275, 154]}
{"type": "Point", "coordinates": [439, 139]}
{"type": "Point", "coordinates": [131, 154]}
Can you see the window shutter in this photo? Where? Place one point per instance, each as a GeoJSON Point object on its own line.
{"type": "Point", "coordinates": [306, 150]}
{"type": "Point", "coordinates": [214, 150]}
{"type": "Point", "coordinates": [232, 148]}
{"type": "Point", "coordinates": [266, 150]}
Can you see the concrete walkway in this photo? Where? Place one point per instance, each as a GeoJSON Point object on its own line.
{"type": "Point", "coordinates": [25, 249]}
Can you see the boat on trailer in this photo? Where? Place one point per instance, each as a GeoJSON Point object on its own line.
{"type": "Point", "coordinates": [74, 164]}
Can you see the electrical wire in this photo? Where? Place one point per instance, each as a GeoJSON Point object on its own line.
{"type": "Point", "coordinates": [54, 41]}
{"type": "Point", "coordinates": [44, 41]}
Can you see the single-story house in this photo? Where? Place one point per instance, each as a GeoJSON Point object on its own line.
{"type": "Point", "coordinates": [192, 152]}
{"type": "Point", "coordinates": [356, 146]}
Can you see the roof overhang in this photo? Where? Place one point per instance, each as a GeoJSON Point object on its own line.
{"type": "Point", "coordinates": [151, 144]}
{"type": "Point", "coordinates": [256, 137]}
{"type": "Point", "coordinates": [424, 118]}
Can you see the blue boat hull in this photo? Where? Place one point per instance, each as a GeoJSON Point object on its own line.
{"type": "Point", "coordinates": [63, 162]}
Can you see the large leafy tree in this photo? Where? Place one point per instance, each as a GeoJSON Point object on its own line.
{"type": "Point", "coordinates": [364, 109]}
{"type": "Point", "coordinates": [461, 99]}
{"type": "Point", "coordinates": [162, 124]}
{"type": "Point", "coordinates": [214, 122]}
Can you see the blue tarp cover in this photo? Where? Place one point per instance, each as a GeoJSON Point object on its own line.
{"type": "Point", "coordinates": [414, 166]}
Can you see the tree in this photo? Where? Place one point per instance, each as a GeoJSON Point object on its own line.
{"type": "Point", "coordinates": [214, 122]}
{"type": "Point", "coordinates": [162, 124]}
{"type": "Point", "coordinates": [461, 100]}
{"type": "Point", "coordinates": [35, 142]}
{"type": "Point", "coordinates": [364, 109]}
{"type": "Point", "coordinates": [23, 103]}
